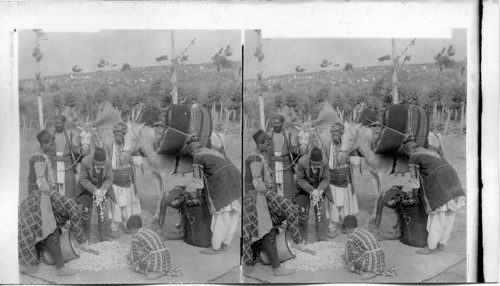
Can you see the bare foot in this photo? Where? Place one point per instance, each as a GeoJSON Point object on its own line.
{"type": "Point", "coordinates": [66, 271]}
{"type": "Point", "coordinates": [280, 271]}
{"type": "Point", "coordinates": [210, 251]}
{"type": "Point", "coordinates": [368, 275]}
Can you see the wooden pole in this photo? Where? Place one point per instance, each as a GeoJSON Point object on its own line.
{"type": "Point", "coordinates": [221, 112]}
{"type": "Point", "coordinates": [261, 98]}
{"type": "Point", "coordinates": [241, 124]}
{"type": "Point", "coordinates": [175, 97]}
{"type": "Point", "coordinates": [434, 116]}
{"type": "Point", "coordinates": [462, 113]}
{"type": "Point", "coordinates": [395, 99]}
{"type": "Point", "coordinates": [227, 122]}
{"type": "Point", "coordinates": [447, 121]}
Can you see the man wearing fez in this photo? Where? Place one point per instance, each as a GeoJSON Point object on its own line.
{"type": "Point", "coordinates": [313, 179]}
{"type": "Point", "coordinates": [435, 181]}
{"type": "Point", "coordinates": [282, 157]}
{"type": "Point", "coordinates": [41, 174]}
{"type": "Point", "coordinates": [44, 211]}
{"type": "Point", "coordinates": [220, 181]}
{"type": "Point", "coordinates": [258, 172]}
{"type": "Point", "coordinates": [66, 152]}
{"type": "Point", "coordinates": [95, 178]}
{"type": "Point", "coordinates": [127, 202]}
{"type": "Point", "coordinates": [264, 210]}
{"type": "Point", "coordinates": [344, 198]}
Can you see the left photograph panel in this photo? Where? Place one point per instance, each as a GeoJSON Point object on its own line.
{"type": "Point", "coordinates": [130, 156]}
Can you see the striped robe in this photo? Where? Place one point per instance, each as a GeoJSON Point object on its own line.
{"type": "Point", "coordinates": [148, 253]}
{"type": "Point", "coordinates": [364, 254]}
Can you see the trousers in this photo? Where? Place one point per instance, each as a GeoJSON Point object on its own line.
{"type": "Point", "coordinates": [321, 221]}
{"type": "Point", "coordinates": [103, 221]}
{"type": "Point", "coordinates": [53, 245]}
{"type": "Point", "coordinates": [268, 243]}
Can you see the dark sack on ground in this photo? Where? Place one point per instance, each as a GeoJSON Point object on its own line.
{"type": "Point", "coordinates": [184, 121]}
{"type": "Point", "coordinates": [197, 221]}
{"type": "Point", "coordinates": [414, 220]}
{"type": "Point", "coordinates": [400, 121]}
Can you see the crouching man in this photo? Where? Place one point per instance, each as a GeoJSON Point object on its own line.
{"type": "Point", "coordinates": [264, 210]}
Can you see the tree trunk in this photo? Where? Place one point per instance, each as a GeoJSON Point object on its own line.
{"type": "Point", "coordinates": [447, 121]}
{"type": "Point", "coordinates": [395, 99]}
{"type": "Point", "coordinates": [221, 112]}
{"type": "Point", "coordinates": [434, 116]}
{"type": "Point", "coordinates": [175, 98]}
{"type": "Point", "coordinates": [261, 98]}
{"type": "Point", "coordinates": [462, 114]}
{"type": "Point", "coordinates": [227, 122]}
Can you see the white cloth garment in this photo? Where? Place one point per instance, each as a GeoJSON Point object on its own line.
{"type": "Point", "coordinates": [60, 175]}
{"type": "Point", "coordinates": [224, 224]}
{"type": "Point", "coordinates": [440, 222]}
{"type": "Point", "coordinates": [345, 202]}
{"type": "Point", "coordinates": [127, 203]}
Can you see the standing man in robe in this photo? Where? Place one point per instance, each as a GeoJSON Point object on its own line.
{"type": "Point", "coordinates": [282, 158]}
{"type": "Point", "coordinates": [66, 152]}
{"type": "Point", "coordinates": [127, 202]}
{"type": "Point", "coordinates": [218, 179]}
{"type": "Point", "coordinates": [344, 198]}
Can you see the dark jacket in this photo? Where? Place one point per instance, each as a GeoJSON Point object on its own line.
{"type": "Point", "coordinates": [89, 181]}
{"type": "Point", "coordinates": [221, 178]}
{"type": "Point", "coordinates": [307, 181]}
{"type": "Point", "coordinates": [438, 180]}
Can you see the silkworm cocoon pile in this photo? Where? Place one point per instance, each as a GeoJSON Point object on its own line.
{"type": "Point", "coordinates": [112, 255]}
{"type": "Point", "coordinates": [328, 256]}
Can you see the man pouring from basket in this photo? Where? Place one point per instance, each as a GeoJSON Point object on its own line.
{"type": "Point", "coordinates": [218, 180]}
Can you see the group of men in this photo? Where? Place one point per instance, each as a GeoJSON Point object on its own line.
{"type": "Point", "coordinates": [279, 189]}
{"type": "Point", "coordinates": [58, 189]}
{"type": "Point", "coordinates": [277, 178]}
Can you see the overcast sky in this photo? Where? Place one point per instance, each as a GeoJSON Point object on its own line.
{"type": "Point", "coordinates": [283, 55]}
{"type": "Point", "coordinates": [63, 50]}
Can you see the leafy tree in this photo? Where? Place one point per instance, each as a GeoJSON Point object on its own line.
{"type": "Point", "coordinates": [348, 67]}
{"type": "Point", "coordinates": [126, 67]}
{"type": "Point", "coordinates": [384, 58]}
{"type": "Point", "coordinates": [221, 58]}
{"type": "Point", "coordinates": [76, 69]}
{"type": "Point", "coordinates": [162, 58]}
{"type": "Point", "coordinates": [323, 94]}
{"type": "Point", "coordinates": [102, 63]}
{"type": "Point", "coordinates": [299, 69]}
{"type": "Point", "coordinates": [444, 58]}
{"type": "Point", "coordinates": [325, 63]}
{"type": "Point", "coordinates": [276, 87]}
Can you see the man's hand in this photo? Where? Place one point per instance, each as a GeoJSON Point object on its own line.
{"type": "Point", "coordinates": [414, 184]}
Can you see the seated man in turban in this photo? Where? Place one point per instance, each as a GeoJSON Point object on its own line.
{"type": "Point", "coordinates": [363, 254]}
{"type": "Point", "coordinates": [63, 161]}
{"type": "Point", "coordinates": [45, 211]}
{"type": "Point", "coordinates": [264, 210]}
{"type": "Point", "coordinates": [148, 253]}
{"type": "Point", "coordinates": [282, 154]}
{"type": "Point", "coordinates": [95, 179]}
{"type": "Point", "coordinates": [435, 181]}
{"type": "Point", "coordinates": [218, 179]}
{"type": "Point", "coordinates": [313, 179]}
{"type": "Point", "coordinates": [127, 200]}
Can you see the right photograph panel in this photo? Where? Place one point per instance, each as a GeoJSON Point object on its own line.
{"type": "Point", "coordinates": [354, 160]}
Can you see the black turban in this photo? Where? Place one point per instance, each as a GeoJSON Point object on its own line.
{"type": "Point", "coordinates": [279, 117]}
{"type": "Point", "coordinates": [44, 136]}
{"type": "Point", "coordinates": [260, 136]}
